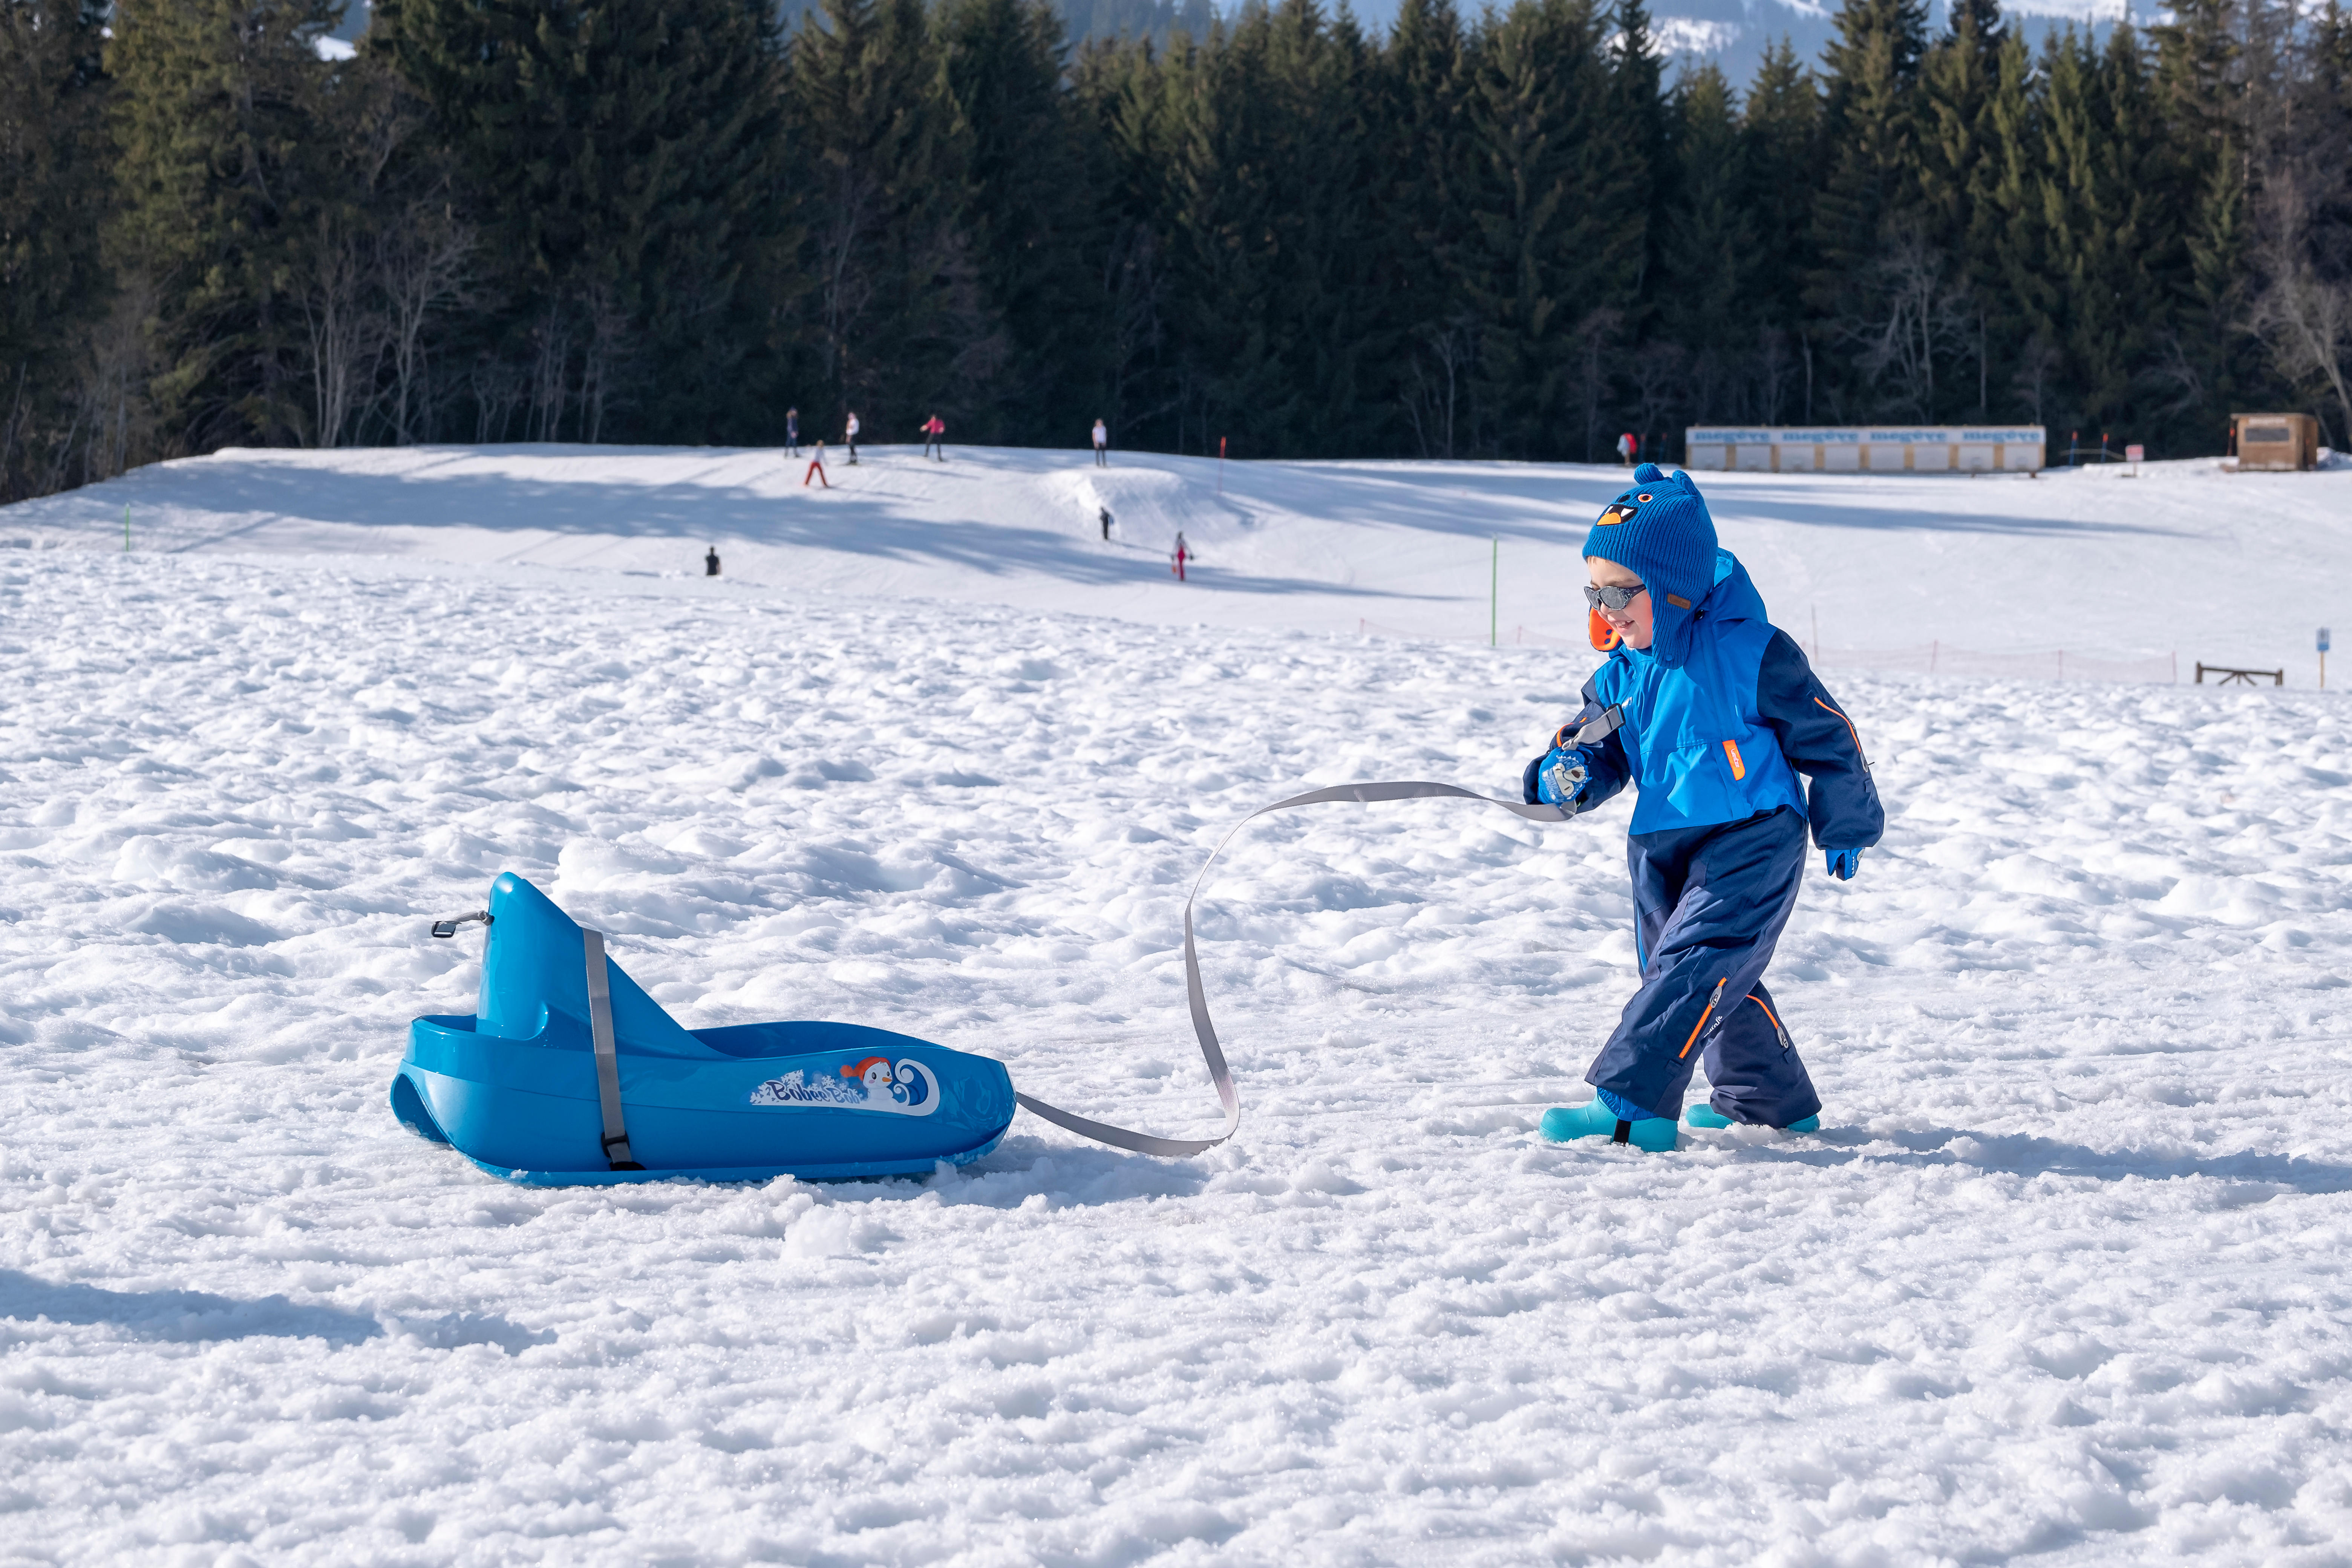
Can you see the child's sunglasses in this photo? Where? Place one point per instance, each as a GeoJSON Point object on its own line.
{"type": "Point", "coordinates": [1614, 598]}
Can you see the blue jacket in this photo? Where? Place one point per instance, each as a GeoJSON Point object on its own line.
{"type": "Point", "coordinates": [1721, 733]}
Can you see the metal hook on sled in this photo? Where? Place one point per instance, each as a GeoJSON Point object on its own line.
{"type": "Point", "coordinates": [449, 927]}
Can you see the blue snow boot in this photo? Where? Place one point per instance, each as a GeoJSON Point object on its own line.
{"type": "Point", "coordinates": [1565, 1124]}
{"type": "Point", "coordinates": [1707, 1116]}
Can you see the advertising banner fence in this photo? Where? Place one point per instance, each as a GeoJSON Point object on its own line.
{"type": "Point", "coordinates": [1872, 449]}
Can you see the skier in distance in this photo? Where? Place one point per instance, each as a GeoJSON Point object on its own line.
{"type": "Point", "coordinates": [850, 438]}
{"type": "Point", "coordinates": [1102, 446]}
{"type": "Point", "coordinates": [792, 432]}
{"type": "Point", "coordinates": [816, 467]}
{"type": "Point", "coordinates": [1721, 712]}
{"type": "Point", "coordinates": [1183, 554]}
{"type": "Point", "coordinates": [935, 434]}
{"type": "Point", "coordinates": [1626, 447]}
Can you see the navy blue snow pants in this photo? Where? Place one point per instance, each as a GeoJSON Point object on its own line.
{"type": "Point", "coordinates": [1710, 902]}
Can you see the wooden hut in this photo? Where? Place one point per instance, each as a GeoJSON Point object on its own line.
{"type": "Point", "coordinates": [2276, 443]}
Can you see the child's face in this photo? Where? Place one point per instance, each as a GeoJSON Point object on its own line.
{"type": "Point", "coordinates": [1632, 622]}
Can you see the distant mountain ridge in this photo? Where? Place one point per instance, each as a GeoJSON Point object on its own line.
{"type": "Point", "coordinates": [1733, 34]}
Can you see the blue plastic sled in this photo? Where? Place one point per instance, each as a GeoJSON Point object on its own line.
{"type": "Point", "coordinates": [515, 1089]}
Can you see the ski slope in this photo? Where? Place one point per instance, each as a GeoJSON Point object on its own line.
{"type": "Point", "coordinates": [2232, 569]}
{"type": "Point", "coordinates": [2062, 1280]}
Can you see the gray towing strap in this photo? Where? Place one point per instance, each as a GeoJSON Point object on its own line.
{"type": "Point", "coordinates": [608, 1061]}
{"type": "Point", "coordinates": [1219, 1073]}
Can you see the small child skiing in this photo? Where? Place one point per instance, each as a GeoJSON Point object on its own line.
{"type": "Point", "coordinates": [1183, 554]}
{"type": "Point", "coordinates": [935, 434]}
{"type": "Point", "coordinates": [1718, 712]}
{"type": "Point", "coordinates": [850, 440]}
{"type": "Point", "coordinates": [816, 467]}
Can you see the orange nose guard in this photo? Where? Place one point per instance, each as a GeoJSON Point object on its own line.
{"type": "Point", "coordinates": [1604, 636]}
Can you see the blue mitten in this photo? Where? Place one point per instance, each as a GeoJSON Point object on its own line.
{"type": "Point", "coordinates": [1844, 863]}
{"type": "Point", "coordinates": [1562, 776]}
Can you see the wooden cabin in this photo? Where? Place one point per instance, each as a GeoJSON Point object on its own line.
{"type": "Point", "coordinates": [2276, 443]}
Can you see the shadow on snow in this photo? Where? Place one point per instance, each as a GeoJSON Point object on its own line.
{"type": "Point", "coordinates": [2022, 1155]}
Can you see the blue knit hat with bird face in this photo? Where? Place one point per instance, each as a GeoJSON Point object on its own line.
{"type": "Point", "coordinates": [1660, 529]}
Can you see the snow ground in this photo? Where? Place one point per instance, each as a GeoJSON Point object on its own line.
{"type": "Point", "coordinates": [2062, 1280]}
{"type": "Point", "coordinates": [2233, 569]}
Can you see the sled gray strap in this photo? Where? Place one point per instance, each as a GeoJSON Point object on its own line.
{"type": "Point", "coordinates": [1220, 1075]}
{"type": "Point", "coordinates": [1611, 720]}
{"type": "Point", "coordinates": [608, 1060]}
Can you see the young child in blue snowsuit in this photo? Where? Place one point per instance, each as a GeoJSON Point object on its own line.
{"type": "Point", "coordinates": [1721, 713]}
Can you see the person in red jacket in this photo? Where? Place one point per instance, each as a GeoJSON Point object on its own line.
{"type": "Point", "coordinates": [935, 434]}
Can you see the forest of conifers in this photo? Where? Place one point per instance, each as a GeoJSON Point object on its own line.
{"type": "Point", "coordinates": [1508, 234]}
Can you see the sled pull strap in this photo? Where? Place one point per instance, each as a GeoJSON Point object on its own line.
{"type": "Point", "coordinates": [1611, 720]}
{"type": "Point", "coordinates": [608, 1060]}
{"type": "Point", "coordinates": [1221, 1076]}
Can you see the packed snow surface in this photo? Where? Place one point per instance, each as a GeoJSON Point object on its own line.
{"type": "Point", "coordinates": [2114, 562]}
{"type": "Point", "coordinates": [2062, 1279]}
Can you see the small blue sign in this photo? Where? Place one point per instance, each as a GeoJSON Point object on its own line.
{"type": "Point", "coordinates": [2323, 639]}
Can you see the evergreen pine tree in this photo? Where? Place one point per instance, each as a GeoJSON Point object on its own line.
{"type": "Point", "coordinates": [2208, 192]}
{"type": "Point", "coordinates": [1870, 127]}
{"type": "Point", "coordinates": [1031, 220]}
{"type": "Point", "coordinates": [1221, 223]}
{"type": "Point", "coordinates": [1553, 269]}
{"type": "Point", "coordinates": [618, 155]}
{"type": "Point", "coordinates": [1337, 329]}
{"type": "Point", "coordinates": [653, 219]}
{"type": "Point", "coordinates": [1642, 113]}
{"type": "Point", "coordinates": [1130, 108]}
{"type": "Point", "coordinates": [2328, 127]}
{"type": "Point", "coordinates": [53, 280]}
{"type": "Point", "coordinates": [1781, 138]}
{"type": "Point", "coordinates": [218, 146]}
{"type": "Point", "coordinates": [1956, 170]}
{"type": "Point", "coordinates": [1422, 164]}
{"type": "Point", "coordinates": [2017, 292]}
{"type": "Point", "coordinates": [1709, 252]}
{"type": "Point", "coordinates": [1272, 220]}
{"type": "Point", "coordinates": [2100, 242]}
{"type": "Point", "coordinates": [900, 319]}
